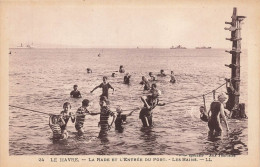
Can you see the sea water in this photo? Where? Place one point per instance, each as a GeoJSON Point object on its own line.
{"type": "Point", "coordinates": [42, 79]}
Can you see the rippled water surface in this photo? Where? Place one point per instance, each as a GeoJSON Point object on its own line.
{"type": "Point", "coordinates": [41, 79]}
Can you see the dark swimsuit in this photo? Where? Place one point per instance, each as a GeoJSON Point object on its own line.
{"type": "Point", "coordinates": [214, 120]}
{"type": "Point", "coordinates": [119, 121]}
{"type": "Point", "coordinates": [126, 79]}
{"type": "Point", "coordinates": [146, 113]}
{"type": "Point", "coordinates": [75, 94]}
{"type": "Point", "coordinates": [105, 88]}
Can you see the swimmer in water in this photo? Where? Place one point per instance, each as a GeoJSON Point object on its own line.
{"type": "Point", "coordinates": [145, 83]}
{"type": "Point", "coordinates": [121, 69]}
{"type": "Point", "coordinates": [80, 116]}
{"type": "Point", "coordinates": [150, 102]}
{"type": "Point", "coordinates": [127, 78]}
{"type": "Point", "coordinates": [66, 115]}
{"type": "Point", "coordinates": [105, 112]}
{"type": "Point", "coordinates": [105, 87]}
{"type": "Point", "coordinates": [113, 74]}
{"type": "Point", "coordinates": [203, 114]}
{"type": "Point", "coordinates": [121, 118]}
{"type": "Point", "coordinates": [162, 74]}
{"type": "Point", "coordinates": [173, 79]}
{"type": "Point", "coordinates": [89, 70]}
{"type": "Point", "coordinates": [153, 78]}
{"type": "Point", "coordinates": [75, 93]}
{"type": "Point", "coordinates": [55, 123]}
{"type": "Point", "coordinates": [217, 109]}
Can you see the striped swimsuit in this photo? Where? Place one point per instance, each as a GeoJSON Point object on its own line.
{"type": "Point", "coordinates": [105, 113]}
{"type": "Point", "coordinates": [80, 118]}
{"type": "Point", "coordinates": [56, 131]}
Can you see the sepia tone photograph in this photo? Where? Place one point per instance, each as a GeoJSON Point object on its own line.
{"type": "Point", "coordinates": [128, 80]}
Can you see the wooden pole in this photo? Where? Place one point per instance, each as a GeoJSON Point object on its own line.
{"type": "Point", "coordinates": [235, 60]}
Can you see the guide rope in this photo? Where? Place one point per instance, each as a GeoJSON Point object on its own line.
{"type": "Point", "coordinates": [31, 110]}
{"type": "Point", "coordinates": [198, 95]}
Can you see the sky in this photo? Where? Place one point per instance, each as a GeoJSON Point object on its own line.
{"type": "Point", "coordinates": [121, 26]}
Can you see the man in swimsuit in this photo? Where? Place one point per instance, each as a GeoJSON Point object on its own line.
{"type": "Point", "coordinates": [153, 78]}
{"type": "Point", "coordinates": [121, 69]}
{"type": "Point", "coordinates": [145, 83]}
{"type": "Point", "coordinates": [105, 86]}
{"type": "Point", "coordinates": [150, 102]}
{"type": "Point", "coordinates": [127, 78]}
{"type": "Point", "coordinates": [162, 74]}
{"type": "Point", "coordinates": [75, 93]}
{"type": "Point", "coordinates": [173, 79]}
{"type": "Point", "coordinates": [105, 112]}
{"type": "Point", "coordinates": [80, 116]}
{"type": "Point", "coordinates": [217, 109]}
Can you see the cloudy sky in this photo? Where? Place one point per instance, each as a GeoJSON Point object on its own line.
{"type": "Point", "coordinates": [121, 26]}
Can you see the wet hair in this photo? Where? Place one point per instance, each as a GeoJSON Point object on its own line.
{"type": "Point", "coordinates": [121, 66]}
{"type": "Point", "coordinates": [67, 104]}
{"type": "Point", "coordinates": [104, 98]}
{"type": "Point", "coordinates": [75, 86]}
{"type": "Point", "coordinates": [150, 73]}
{"type": "Point", "coordinates": [113, 74]}
{"type": "Point", "coordinates": [85, 102]}
{"type": "Point", "coordinates": [162, 70]}
{"type": "Point", "coordinates": [105, 77]}
{"type": "Point", "coordinates": [154, 85]}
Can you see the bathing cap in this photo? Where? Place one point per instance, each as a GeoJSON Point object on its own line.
{"type": "Point", "coordinates": [222, 96]}
{"type": "Point", "coordinates": [119, 109]}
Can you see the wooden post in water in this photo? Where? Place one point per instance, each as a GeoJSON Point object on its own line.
{"type": "Point", "coordinates": [233, 102]}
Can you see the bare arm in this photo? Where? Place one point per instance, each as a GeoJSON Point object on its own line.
{"type": "Point", "coordinates": [144, 101]}
{"type": "Point", "coordinates": [138, 108]}
{"type": "Point", "coordinates": [113, 120]}
{"type": "Point", "coordinates": [94, 88]}
{"type": "Point", "coordinates": [223, 116]}
{"type": "Point", "coordinates": [50, 121]}
{"type": "Point", "coordinates": [91, 113]}
{"type": "Point", "coordinates": [72, 117]}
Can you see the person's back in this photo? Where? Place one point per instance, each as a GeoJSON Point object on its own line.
{"type": "Point", "coordinates": [214, 119]}
{"type": "Point", "coordinates": [215, 109]}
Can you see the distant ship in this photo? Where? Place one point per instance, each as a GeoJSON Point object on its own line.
{"type": "Point", "coordinates": [203, 47]}
{"type": "Point", "coordinates": [27, 46]}
{"type": "Point", "coordinates": [178, 47]}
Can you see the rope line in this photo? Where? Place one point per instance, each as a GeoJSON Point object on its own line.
{"type": "Point", "coordinates": [30, 110]}
{"type": "Point", "coordinates": [196, 96]}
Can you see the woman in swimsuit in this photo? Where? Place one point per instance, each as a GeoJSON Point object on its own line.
{"type": "Point", "coordinates": [217, 109]}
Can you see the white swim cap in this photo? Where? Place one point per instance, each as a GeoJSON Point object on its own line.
{"type": "Point", "coordinates": [119, 109]}
{"type": "Point", "coordinates": [222, 96]}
